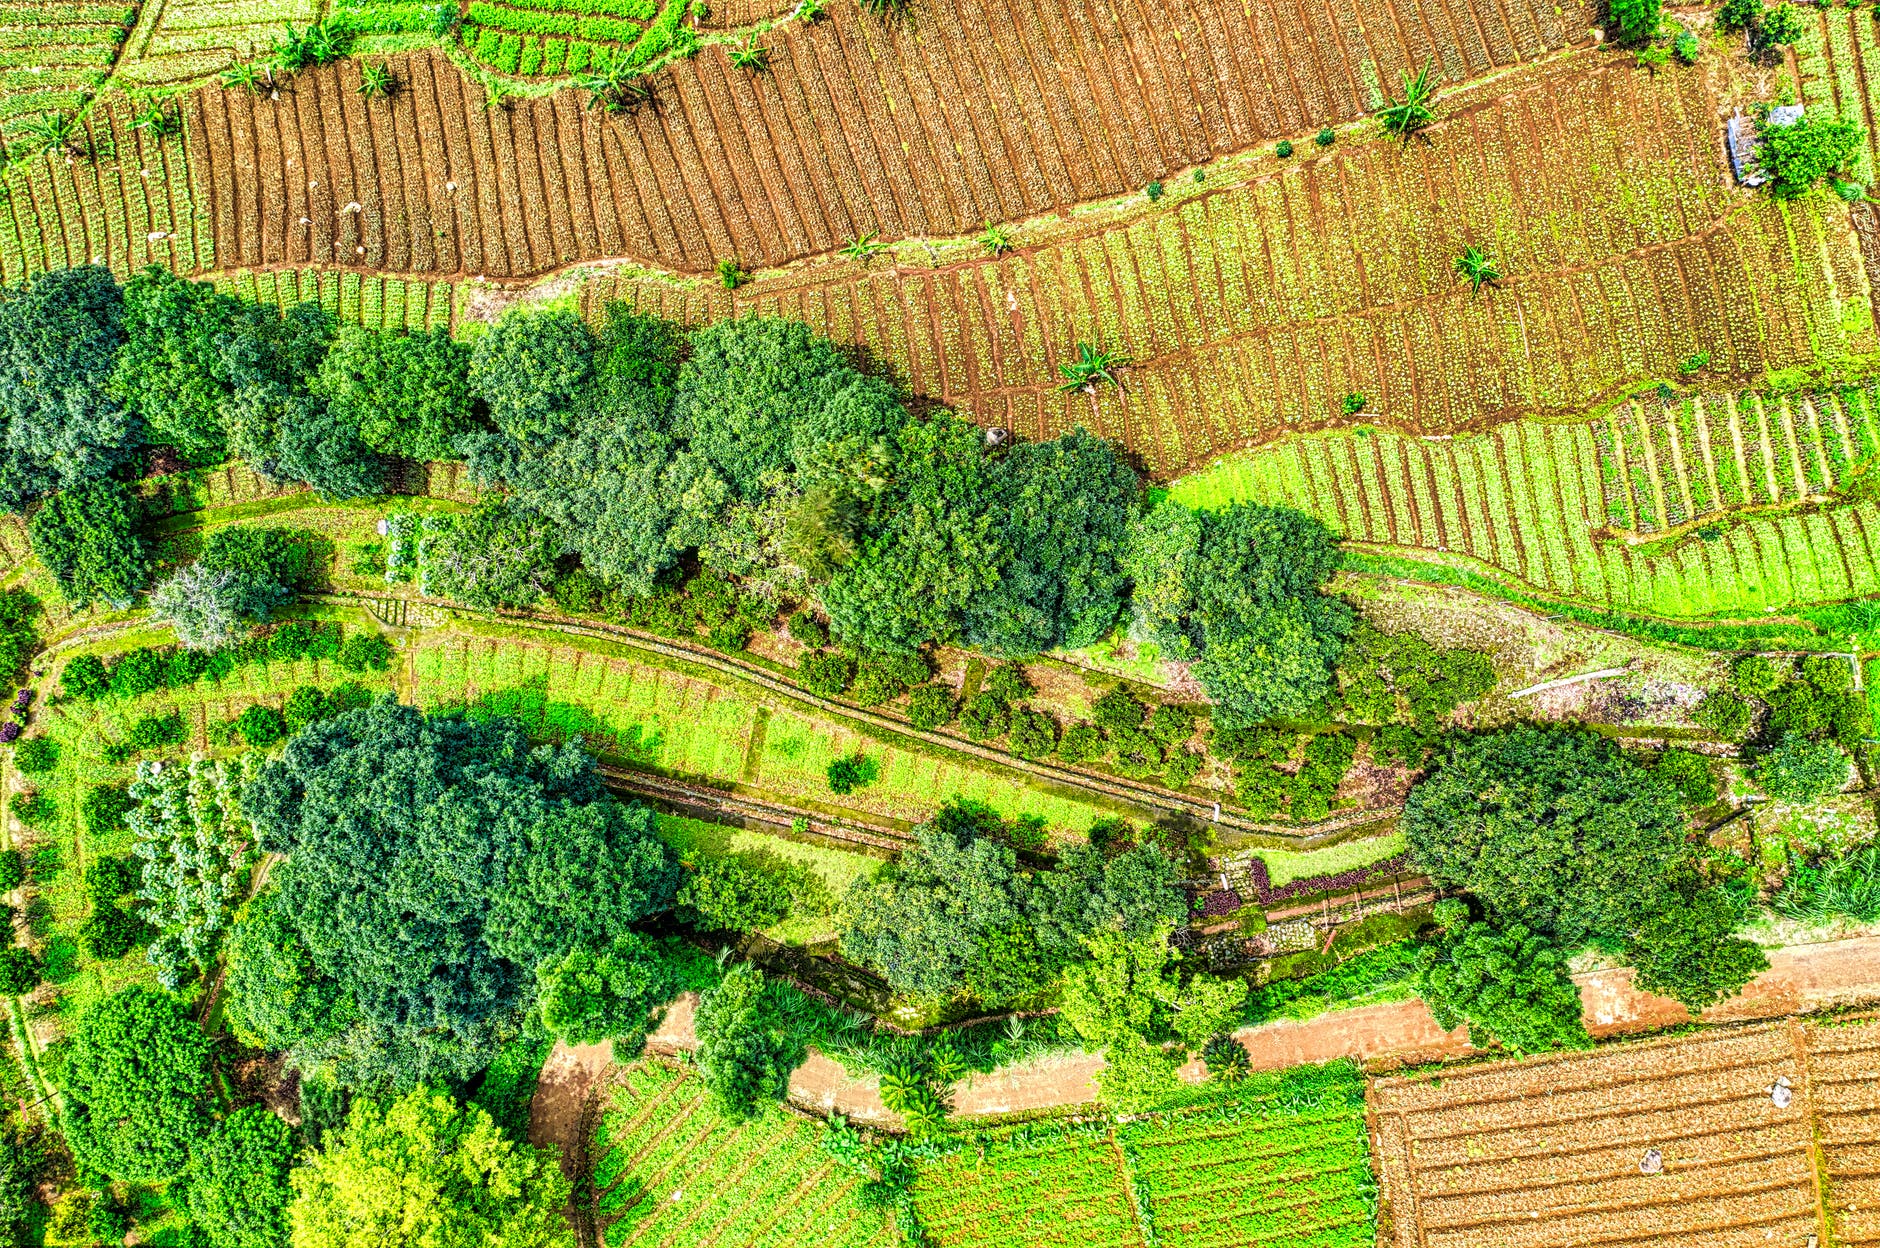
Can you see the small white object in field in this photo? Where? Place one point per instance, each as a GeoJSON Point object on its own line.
{"type": "Point", "coordinates": [354, 206]}
{"type": "Point", "coordinates": [1781, 1096]}
{"type": "Point", "coordinates": [1653, 1162]}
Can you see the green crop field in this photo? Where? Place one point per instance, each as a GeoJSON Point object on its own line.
{"type": "Point", "coordinates": [185, 41]}
{"type": "Point", "coordinates": [671, 1170]}
{"type": "Point", "coordinates": [378, 302]}
{"type": "Point", "coordinates": [1284, 1163]}
{"type": "Point", "coordinates": [1706, 506]}
{"type": "Point", "coordinates": [1284, 866]}
{"type": "Point", "coordinates": [54, 55]}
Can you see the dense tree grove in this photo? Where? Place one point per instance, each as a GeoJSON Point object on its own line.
{"type": "Point", "coordinates": [137, 1086]}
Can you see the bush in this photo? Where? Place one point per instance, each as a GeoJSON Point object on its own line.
{"type": "Point", "coordinates": [1725, 714]}
{"type": "Point", "coordinates": [1635, 21]}
{"type": "Point", "coordinates": [1755, 676]}
{"type": "Point", "coordinates": [1685, 951]}
{"type": "Point", "coordinates": [826, 673]}
{"type": "Point", "coordinates": [19, 971]}
{"type": "Point", "coordinates": [930, 707]}
{"type": "Point", "coordinates": [365, 652]}
{"type": "Point", "coordinates": [1689, 772]}
{"type": "Point", "coordinates": [881, 678]}
{"type": "Point", "coordinates": [531, 368]}
{"type": "Point", "coordinates": [1800, 770]}
{"type": "Point", "coordinates": [723, 895]}
{"type": "Point", "coordinates": [307, 704]}
{"type": "Point", "coordinates": [1509, 986]}
{"type": "Point", "coordinates": [1007, 683]}
{"type": "Point", "coordinates": [1798, 155]}
{"type": "Point", "coordinates": [1080, 743]}
{"type": "Point", "coordinates": [747, 1046]}
{"type": "Point", "coordinates": [809, 630]}
{"type": "Point", "coordinates": [36, 755]}
{"type": "Point", "coordinates": [1182, 767]}
{"type": "Point", "coordinates": [846, 775]}
{"type": "Point", "coordinates": [153, 732]}
{"type": "Point", "coordinates": [12, 869]}
{"type": "Point", "coordinates": [85, 678]}
{"type": "Point", "coordinates": [1033, 733]}
{"type": "Point", "coordinates": [261, 726]}
{"type": "Point", "coordinates": [984, 717]}
{"type": "Point", "coordinates": [610, 994]}
{"type": "Point", "coordinates": [109, 932]}
{"type": "Point", "coordinates": [87, 538]}
{"type": "Point", "coordinates": [1117, 709]}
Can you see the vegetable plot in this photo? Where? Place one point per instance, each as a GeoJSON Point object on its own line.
{"type": "Point", "coordinates": [195, 846]}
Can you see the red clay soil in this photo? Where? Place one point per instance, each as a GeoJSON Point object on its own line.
{"type": "Point", "coordinates": [1799, 980]}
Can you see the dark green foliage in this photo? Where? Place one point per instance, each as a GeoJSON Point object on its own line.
{"type": "Point", "coordinates": [87, 538]}
{"type": "Point", "coordinates": [1798, 155]}
{"type": "Point", "coordinates": [1800, 770]}
{"type": "Point", "coordinates": [36, 755]}
{"type": "Point", "coordinates": [1171, 723]}
{"type": "Point", "coordinates": [825, 673]}
{"type": "Point", "coordinates": [1635, 21]}
{"type": "Point", "coordinates": [12, 869]}
{"type": "Point", "coordinates": [883, 677]}
{"type": "Point", "coordinates": [17, 639]}
{"type": "Point", "coordinates": [531, 369]}
{"type": "Point", "coordinates": [1117, 710]}
{"type": "Point", "coordinates": [498, 555]}
{"type": "Point", "coordinates": [1779, 27]}
{"type": "Point", "coordinates": [59, 336]}
{"type": "Point", "coordinates": [1514, 817]}
{"type": "Point", "coordinates": [281, 556]}
{"type": "Point", "coordinates": [109, 932]}
{"type": "Point", "coordinates": [984, 717]}
{"type": "Point", "coordinates": [19, 971]}
{"type": "Point", "coordinates": [153, 732]}
{"type": "Point", "coordinates": [747, 1047]}
{"type": "Point", "coordinates": [1134, 889]}
{"type": "Point", "coordinates": [1181, 767]}
{"type": "Point", "coordinates": [1061, 510]}
{"type": "Point", "coordinates": [305, 705]}
{"type": "Point", "coordinates": [261, 726]}
{"type": "Point", "coordinates": [591, 995]}
{"type": "Point", "coordinates": [316, 446]}
{"type": "Point", "coordinates": [22, 1164]}
{"type": "Point", "coordinates": [930, 707]}
{"type": "Point", "coordinates": [809, 630]}
{"type": "Point", "coordinates": [1511, 986]}
{"type": "Point", "coordinates": [170, 369]}
{"type": "Point", "coordinates": [104, 807]}
{"type": "Point", "coordinates": [1725, 714]}
{"type": "Point", "coordinates": [85, 678]}
{"type": "Point", "coordinates": [1739, 14]}
{"type": "Point", "coordinates": [1033, 734]}
{"type": "Point", "coordinates": [406, 394]}
{"type": "Point", "coordinates": [508, 1086]}
{"type": "Point", "coordinates": [1007, 682]}
{"type": "Point", "coordinates": [1080, 743]}
{"type": "Point", "coordinates": [487, 857]}
{"type": "Point", "coordinates": [724, 895]}
{"type": "Point", "coordinates": [1689, 773]}
{"type": "Point", "coordinates": [35, 810]}
{"type": "Point", "coordinates": [845, 775]}
{"type": "Point", "coordinates": [759, 395]}
{"type": "Point", "coordinates": [1755, 676]}
{"type": "Point", "coordinates": [138, 672]}
{"type": "Point", "coordinates": [365, 652]}
{"type": "Point", "coordinates": [1684, 950]}
{"type": "Point", "coordinates": [137, 1086]}
{"type": "Point", "coordinates": [1239, 592]}
{"type": "Point", "coordinates": [1400, 676]}
{"type": "Point", "coordinates": [1283, 149]}
{"type": "Point", "coordinates": [237, 1189]}
{"type": "Point", "coordinates": [1401, 745]}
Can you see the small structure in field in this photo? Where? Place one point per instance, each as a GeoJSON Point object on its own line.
{"type": "Point", "coordinates": [1742, 137]}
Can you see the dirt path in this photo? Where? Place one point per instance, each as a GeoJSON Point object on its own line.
{"type": "Point", "coordinates": [1799, 980]}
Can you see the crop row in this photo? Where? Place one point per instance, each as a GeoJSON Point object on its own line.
{"type": "Point", "coordinates": [53, 56]}
{"type": "Point", "coordinates": [353, 298]}
{"type": "Point", "coordinates": [1839, 60]}
{"type": "Point", "coordinates": [528, 55]}
{"type": "Point", "coordinates": [192, 39]}
{"type": "Point", "coordinates": [599, 27]}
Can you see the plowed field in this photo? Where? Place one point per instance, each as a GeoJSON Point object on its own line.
{"type": "Point", "coordinates": [959, 114]}
{"type": "Point", "coordinates": [1549, 1151]}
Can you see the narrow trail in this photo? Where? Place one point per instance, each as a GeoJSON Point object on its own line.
{"type": "Point", "coordinates": [1802, 979]}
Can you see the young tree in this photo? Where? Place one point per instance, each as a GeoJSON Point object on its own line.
{"type": "Point", "coordinates": [724, 895]}
{"type": "Point", "coordinates": [424, 1171]}
{"type": "Point", "coordinates": [407, 394]}
{"type": "Point", "coordinates": [530, 369]}
{"type": "Point", "coordinates": [1685, 950]}
{"type": "Point", "coordinates": [1800, 154]}
{"type": "Point", "coordinates": [1514, 816]}
{"type": "Point", "coordinates": [237, 1190]}
{"type": "Point", "coordinates": [87, 538]}
{"type": "Point", "coordinates": [1511, 987]}
{"type": "Point", "coordinates": [1800, 770]}
{"type": "Point", "coordinates": [498, 555]}
{"type": "Point", "coordinates": [137, 1086]}
{"type": "Point", "coordinates": [746, 1047]}
{"type": "Point", "coordinates": [610, 994]}
{"type": "Point", "coordinates": [1635, 21]}
{"type": "Point", "coordinates": [59, 337]}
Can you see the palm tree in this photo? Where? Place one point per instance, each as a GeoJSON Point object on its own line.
{"type": "Point", "coordinates": [1478, 268]}
{"type": "Point", "coordinates": [864, 247]}
{"type": "Point", "coordinates": [53, 133]}
{"type": "Point", "coordinates": [1418, 108]}
{"type": "Point", "coordinates": [158, 121]}
{"type": "Point", "coordinates": [996, 240]}
{"type": "Point", "coordinates": [751, 55]}
{"type": "Point", "coordinates": [375, 81]}
{"type": "Point", "coordinates": [1090, 367]}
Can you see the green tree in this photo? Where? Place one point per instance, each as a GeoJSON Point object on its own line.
{"type": "Point", "coordinates": [1126, 985]}
{"type": "Point", "coordinates": [18, 640]}
{"type": "Point", "coordinates": [170, 369]}
{"type": "Point", "coordinates": [1635, 21]}
{"type": "Point", "coordinates": [531, 369]}
{"type": "Point", "coordinates": [922, 921]}
{"type": "Point", "coordinates": [498, 555]}
{"type": "Point", "coordinates": [1208, 1007]}
{"type": "Point", "coordinates": [137, 1086]}
{"type": "Point", "coordinates": [210, 609]}
{"type": "Point", "coordinates": [424, 1172]}
{"type": "Point", "coordinates": [273, 995]}
{"type": "Point", "coordinates": [1514, 816]}
{"type": "Point", "coordinates": [87, 538]}
{"type": "Point", "coordinates": [1510, 986]}
{"type": "Point", "coordinates": [19, 971]}
{"type": "Point", "coordinates": [407, 393]}
{"type": "Point", "coordinates": [1800, 770]}
{"type": "Point", "coordinates": [610, 994]}
{"type": "Point", "coordinates": [1689, 772]}
{"type": "Point", "coordinates": [1685, 950]}
{"type": "Point", "coordinates": [1800, 154]}
{"type": "Point", "coordinates": [237, 1189]}
{"type": "Point", "coordinates": [1135, 892]}
{"type": "Point", "coordinates": [59, 338]}
{"type": "Point", "coordinates": [724, 895]}
{"type": "Point", "coordinates": [747, 1048]}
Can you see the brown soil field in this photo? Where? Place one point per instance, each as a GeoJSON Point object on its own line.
{"type": "Point", "coordinates": [1549, 1151]}
{"type": "Point", "coordinates": [925, 126]}
{"type": "Point", "coordinates": [1250, 310]}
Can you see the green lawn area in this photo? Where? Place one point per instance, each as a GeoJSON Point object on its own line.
{"type": "Point", "coordinates": [813, 918]}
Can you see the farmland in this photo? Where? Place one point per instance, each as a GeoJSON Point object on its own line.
{"type": "Point", "coordinates": [1549, 1150]}
{"type": "Point", "coordinates": [54, 55]}
{"type": "Point", "coordinates": [669, 1169]}
{"type": "Point", "coordinates": [1289, 1170]}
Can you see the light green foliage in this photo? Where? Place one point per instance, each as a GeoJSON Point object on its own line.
{"type": "Point", "coordinates": [1207, 1007]}
{"type": "Point", "coordinates": [137, 1085]}
{"type": "Point", "coordinates": [86, 536]}
{"type": "Point", "coordinates": [1399, 677]}
{"type": "Point", "coordinates": [1799, 155]}
{"type": "Point", "coordinates": [407, 394]}
{"type": "Point", "coordinates": [1510, 986]}
{"type": "Point", "coordinates": [195, 846]}
{"type": "Point", "coordinates": [1684, 950]}
{"type": "Point", "coordinates": [169, 370]}
{"type": "Point", "coordinates": [1800, 770]}
{"type": "Point", "coordinates": [1725, 714]}
{"type": "Point", "coordinates": [1126, 986]}
{"type": "Point", "coordinates": [274, 997]}
{"type": "Point", "coordinates": [498, 555]}
{"type": "Point", "coordinates": [531, 369]}
{"type": "Point", "coordinates": [423, 1171]}
{"type": "Point", "coordinates": [747, 1047]}
{"type": "Point", "coordinates": [237, 1190]}
{"type": "Point", "coordinates": [722, 895]}
{"type": "Point", "coordinates": [1635, 21]}
{"type": "Point", "coordinates": [606, 994]}
{"type": "Point", "coordinates": [1690, 773]}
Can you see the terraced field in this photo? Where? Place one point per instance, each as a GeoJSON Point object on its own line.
{"type": "Point", "coordinates": [54, 54]}
{"type": "Point", "coordinates": [1844, 1074]}
{"type": "Point", "coordinates": [180, 42]}
{"type": "Point", "coordinates": [1576, 510]}
{"type": "Point", "coordinates": [1554, 1150]}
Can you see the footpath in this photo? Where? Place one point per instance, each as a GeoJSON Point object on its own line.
{"type": "Point", "coordinates": [1801, 979]}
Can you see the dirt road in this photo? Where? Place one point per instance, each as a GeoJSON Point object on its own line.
{"type": "Point", "coordinates": [1802, 979]}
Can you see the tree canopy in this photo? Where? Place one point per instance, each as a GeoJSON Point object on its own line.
{"type": "Point", "coordinates": [137, 1085]}
{"type": "Point", "coordinates": [407, 394]}
{"type": "Point", "coordinates": [237, 1188]}
{"type": "Point", "coordinates": [531, 370]}
{"type": "Point", "coordinates": [87, 538]}
{"type": "Point", "coordinates": [747, 1044]}
{"type": "Point", "coordinates": [1509, 986]}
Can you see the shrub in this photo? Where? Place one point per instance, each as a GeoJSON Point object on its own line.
{"type": "Point", "coordinates": [610, 994]}
{"type": "Point", "coordinates": [12, 869]}
{"type": "Point", "coordinates": [1117, 710]}
{"type": "Point", "coordinates": [1325, 137]}
{"type": "Point", "coordinates": [1080, 743]}
{"type": "Point", "coordinates": [137, 672]}
{"type": "Point", "coordinates": [1033, 733]}
{"type": "Point", "coordinates": [723, 895]}
{"type": "Point", "coordinates": [984, 717]}
{"type": "Point", "coordinates": [85, 678]}
{"type": "Point", "coordinates": [153, 732]}
{"type": "Point", "coordinates": [19, 971]}
{"type": "Point", "coordinates": [826, 673]}
{"type": "Point", "coordinates": [35, 810]}
{"type": "Point", "coordinates": [1283, 149]}
{"type": "Point", "coordinates": [87, 539]}
{"type": "Point", "coordinates": [1739, 15]}
{"type": "Point", "coordinates": [1725, 714]}
{"type": "Point", "coordinates": [261, 726]}
{"type": "Point", "coordinates": [1800, 770]}
{"type": "Point", "coordinates": [1755, 676]}
{"type": "Point", "coordinates": [36, 755]}
{"type": "Point", "coordinates": [883, 677]}
{"type": "Point", "coordinates": [1798, 155]}
{"type": "Point", "coordinates": [1007, 683]}
{"type": "Point", "coordinates": [103, 808]}
{"type": "Point", "coordinates": [307, 704]}
{"type": "Point", "coordinates": [1689, 772]}
{"type": "Point", "coordinates": [809, 630]}
{"type": "Point", "coordinates": [363, 652]}
{"type": "Point", "coordinates": [1182, 767]}
{"type": "Point", "coordinates": [846, 775]}
{"type": "Point", "coordinates": [109, 932]}
{"type": "Point", "coordinates": [1635, 21]}
{"type": "Point", "coordinates": [929, 707]}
